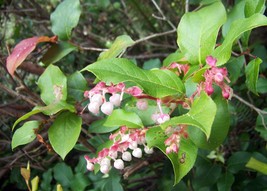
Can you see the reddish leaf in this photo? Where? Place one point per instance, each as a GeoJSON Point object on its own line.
{"type": "Point", "coordinates": [23, 49]}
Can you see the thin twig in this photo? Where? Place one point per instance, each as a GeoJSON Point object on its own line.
{"type": "Point", "coordinates": [259, 111]}
{"type": "Point", "coordinates": [93, 49]}
{"type": "Point", "coordinates": [186, 6]}
{"type": "Point", "coordinates": [163, 17]}
{"type": "Point", "coordinates": [154, 36]}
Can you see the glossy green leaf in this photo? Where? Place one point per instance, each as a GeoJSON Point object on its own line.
{"type": "Point", "coordinates": [119, 46]}
{"type": "Point", "coordinates": [100, 127]}
{"type": "Point", "coordinates": [174, 57]}
{"type": "Point", "coordinates": [64, 132]}
{"type": "Point", "coordinates": [80, 181]}
{"type": "Point", "coordinates": [65, 18]}
{"type": "Point", "coordinates": [235, 67]}
{"type": "Point", "coordinates": [197, 32]}
{"type": "Point", "coordinates": [120, 70]}
{"type": "Point", "coordinates": [257, 165]}
{"type": "Point", "coordinates": [219, 128]}
{"type": "Point", "coordinates": [238, 27]}
{"type": "Point", "coordinates": [238, 161]}
{"type": "Point", "coordinates": [262, 85]}
{"type": "Point", "coordinates": [201, 115]}
{"type": "Point", "coordinates": [53, 85]}
{"type": "Point", "coordinates": [46, 180]}
{"type": "Point", "coordinates": [50, 109]}
{"type": "Point", "coordinates": [24, 134]}
{"type": "Point", "coordinates": [237, 12]}
{"type": "Point", "coordinates": [34, 183]}
{"type": "Point", "coordinates": [63, 174]}
{"type": "Point", "coordinates": [76, 86]}
{"type": "Point", "coordinates": [225, 181]}
{"type": "Point", "coordinates": [151, 64]}
{"type": "Point", "coordinates": [252, 73]}
{"type": "Point", "coordinates": [155, 137]}
{"type": "Point", "coordinates": [57, 52]}
{"type": "Point", "coordinates": [120, 117]}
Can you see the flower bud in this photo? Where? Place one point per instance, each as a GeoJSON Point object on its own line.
{"type": "Point", "coordinates": [104, 169]}
{"type": "Point", "coordinates": [137, 152]}
{"type": "Point", "coordinates": [133, 145]}
{"type": "Point", "coordinates": [119, 164]}
{"type": "Point", "coordinates": [148, 150]}
{"type": "Point", "coordinates": [107, 108]}
{"type": "Point", "coordinates": [163, 118]}
{"type": "Point", "coordinates": [115, 99]}
{"type": "Point", "coordinates": [90, 166]}
{"type": "Point", "coordinates": [105, 161]}
{"type": "Point", "coordinates": [126, 156]}
{"type": "Point", "coordinates": [94, 107]}
{"type": "Point", "coordinates": [98, 98]}
{"type": "Point", "coordinates": [142, 104]}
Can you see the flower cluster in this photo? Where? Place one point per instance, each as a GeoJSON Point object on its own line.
{"type": "Point", "coordinates": [125, 145]}
{"type": "Point", "coordinates": [174, 134]}
{"type": "Point", "coordinates": [98, 100]}
{"type": "Point", "coordinates": [218, 76]}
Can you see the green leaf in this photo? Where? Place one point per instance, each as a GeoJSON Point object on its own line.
{"type": "Point", "coordinates": [50, 109]}
{"type": "Point", "coordinates": [219, 128]}
{"type": "Point", "coordinates": [120, 117]}
{"type": "Point", "coordinates": [254, 6]}
{"type": "Point", "coordinates": [64, 132]}
{"type": "Point", "coordinates": [118, 47]}
{"type": "Point", "coordinates": [257, 165]}
{"type": "Point", "coordinates": [234, 67]}
{"type": "Point", "coordinates": [63, 174]}
{"type": "Point", "coordinates": [100, 127]}
{"type": "Point", "coordinates": [46, 180]}
{"type": "Point", "coordinates": [261, 85]}
{"type": "Point", "coordinates": [197, 32]}
{"type": "Point", "coordinates": [65, 18]}
{"type": "Point", "coordinates": [24, 134]}
{"type": "Point", "coordinates": [57, 51]}
{"type": "Point", "coordinates": [173, 57]}
{"type": "Point", "coordinates": [112, 182]}
{"type": "Point", "coordinates": [155, 137]}
{"type": "Point", "coordinates": [151, 64]}
{"type": "Point", "coordinates": [225, 182]}
{"type": "Point", "coordinates": [120, 70]}
{"type": "Point", "coordinates": [80, 181]}
{"type": "Point", "coordinates": [237, 12]}
{"type": "Point", "coordinates": [223, 52]}
{"type": "Point", "coordinates": [238, 161]}
{"type": "Point", "coordinates": [76, 86]}
{"type": "Point", "coordinates": [53, 85]}
{"type": "Point", "coordinates": [252, 73]}
{"type": "Point", "coordinates": [201, 115]}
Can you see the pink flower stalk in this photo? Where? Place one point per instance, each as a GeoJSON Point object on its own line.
{"type": "Point", "coordinates": [160, 117]}
{"type": "Point", "coordinates": [172, 143]}
{"type": "Point", "coordinates": [217, 76]}
{"type": "Point", "coordinates": [123, 140]}
{"type": "Point", "coordinates": [182, 68]}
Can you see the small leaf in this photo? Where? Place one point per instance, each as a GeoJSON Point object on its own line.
{"type": "Point", "coordinates": [174, 57]}
{"type": "Point", "coordinates": [63, 174]}
{"type": "Point", "coordinates": [51, 109]}
{"type": "Point", "coordinates": [26, 173]}
{"type": "Point", "coordinates": [65, 18]}
{"type": "Point", "coordinates": [119, 45]}
{"type": "Point", "coordinates": [53, 85]}
{"type": "Point", "coordinates": [64, 132]}
{"type": "Point", "coordinates": [219, 128]}
{"type": "Point", "coordinates": [225, 181]}
{"type": "Point", "coordinates": [155, 137]}
{"type": "Point", "coordinates": [80, 181]}
{"type": "Point", "coordinates": [238, 161]}
{"type": "Point", "coordinates": [120, 70]}
{"type": "Point", "coordinates": [57, 52]}
{"type": "Point", "coordinates": [120, 117]}
{"type": "Point", "coordinates": [223, 52]}
{"type": "Point", "coordinates": [100, 127]}
{"type": "Point", "coordinates": [252, 73]}
{"type": "Point", "coordinates": [23, 49]}
{"type": "Point", "coordinates": [34, 183]}
{"type": "Point", "coordinates": [257, 165]}
{"type": "Point", "coordinates": [197, 32]}
{"type": "Point", "coordinates": [76, 86]}
{"type": "Point", "coordinates": [201, 115]}
{"type": "Point", "coordinates": [24, 134]}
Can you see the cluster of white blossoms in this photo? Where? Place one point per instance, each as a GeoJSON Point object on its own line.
{"type": "Point", "coordinates": [98, 101]}
{"type": "Point", "coordinates": [127, 143]}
